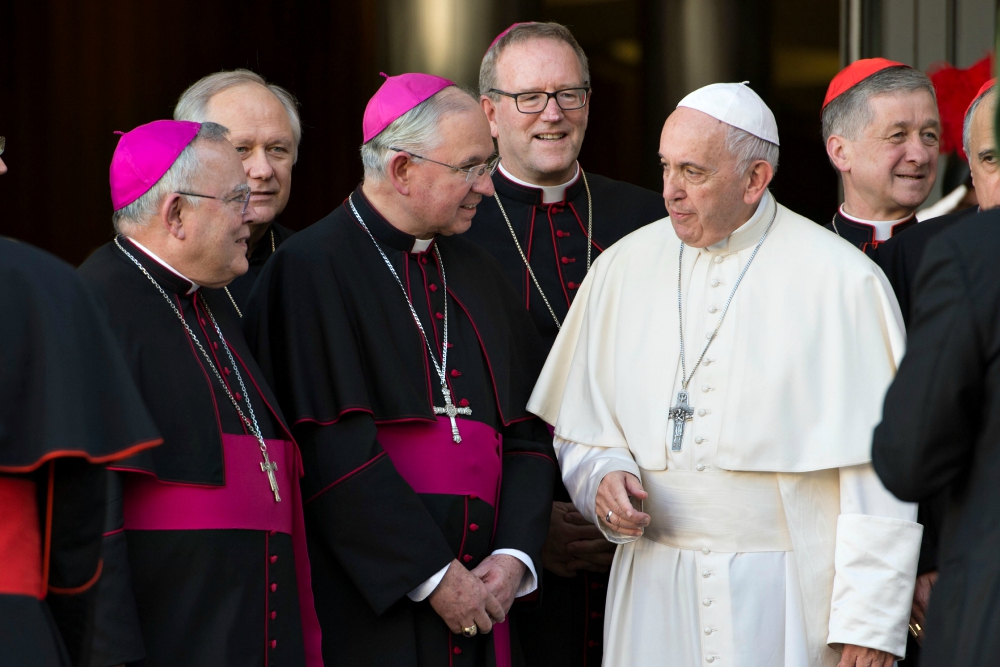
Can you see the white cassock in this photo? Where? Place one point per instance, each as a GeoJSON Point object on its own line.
{"type": "Point", "coordinates": [772, 542]}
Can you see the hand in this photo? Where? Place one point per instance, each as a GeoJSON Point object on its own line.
{"type": "Point", "coordinates": [921, 598]}
{"type": "Point", "coordinates": [859, 656]}
{"type": "Point", "coordinates": [613, 494]}
{"type": "Point", "coordinates": [574, 544]}
{"type": "Point", "coordinates": [502, 576]}
{"type": "Point", "coordinates": [461, 599]}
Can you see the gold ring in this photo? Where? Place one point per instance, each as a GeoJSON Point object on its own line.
{"type": "Point", "coordinates": [914, 631]}
{"type": "Point", "coordinates": [471, 630]}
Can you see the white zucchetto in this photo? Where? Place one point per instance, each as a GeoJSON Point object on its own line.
{"type": "Point", "coordinates": [735, 104]}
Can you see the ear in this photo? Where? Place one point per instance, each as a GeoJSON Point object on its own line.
{"type": "Point", "coordinates": [490, 109]}
{"type": "Point", "coordinates": [171, 216]}
{"type": "Point", "coordinates": [839, 151]}
{"type": "Point", "coordinates": [400, 172]}
{"type": "Point", "coordinates": [761, 174]}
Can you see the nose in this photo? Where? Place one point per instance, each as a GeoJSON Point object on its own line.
{"type": "Point", "coordinates": [920, 153]}
{"type": "Point", "coordinates": [484, 185]}
{"type": "Point", "coordinates": [552, 112]}
{"type": "Point", "coordinates": [671, 188]}
{"type": "Point", "coordinates": [3, 168]}
{"type": "Point", "coordinates": [257, 166]}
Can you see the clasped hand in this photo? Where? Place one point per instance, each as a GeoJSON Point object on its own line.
{"type": "Point", "coordinates": [613, 496]}
{"type": "Point", "coordinates": [481, 597]}
{"type": "Point", "coordinates": [574, 544]}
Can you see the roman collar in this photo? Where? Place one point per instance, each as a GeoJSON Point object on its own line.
{"type": "Point", "coordinates": [510, 187]}
{"type": "Point", "coordinates": [874, 231]}
{"type": "Point", "coordinates": [383, 230]}
{"type": "Point", "coordinates": [167, 276]}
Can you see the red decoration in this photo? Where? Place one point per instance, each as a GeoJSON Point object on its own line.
{"type": "Point", "coordinates": [956, 89]}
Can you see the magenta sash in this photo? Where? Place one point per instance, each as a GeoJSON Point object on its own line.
{"type": "Point", "coordinates": [431, 462]}
{"type": "Point", "coordinates": [245, 502]}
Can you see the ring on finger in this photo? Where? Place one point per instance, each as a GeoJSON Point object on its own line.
{"type": "Point", "coordinates": [471, 630]}
{"type": "Point", "coordinates": [607, 517]}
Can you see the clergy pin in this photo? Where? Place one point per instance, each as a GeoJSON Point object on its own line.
{"type": "Point", "coordinates": [680, 413]}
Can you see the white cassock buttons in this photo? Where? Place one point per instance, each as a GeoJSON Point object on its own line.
{"type": "Point", "coordinates": [708, 334]}
{"type": "Point", "coordinates": [701, 413]}
{"type": "Point", "coordinates": [718, 259]}
{"type": "Point", "coordinates": [712, 309]}
{"type": "Point", "coordinates": [710, 658]}
{"type": "Point", "coordinates": [700, 467]}
{"type": "Point", "coordinates": [705, 387]}
{"type": "Point", "coordinates": [706, 550]}
{"type": "Point", "coordinates": [708, 631]}
{"type": "Point", "coordinates": [706, 574]}
{"type": "Point", "coordinates": [699, 440]}
{"type": "Point", "coordinates": [706, 602]}
{"type": "Point", "coordinates": [714, 283]}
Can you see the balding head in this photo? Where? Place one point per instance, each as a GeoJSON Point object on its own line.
{"type": "Point", "coordinates": [980, 144]}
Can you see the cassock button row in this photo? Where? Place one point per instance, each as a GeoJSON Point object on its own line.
{"type": "Point", "coordinates": [572, 285]}
{"type": "Point", "coordinates": [702, 412]}
{"type": "Point", "coordinates": [710, 658]}
{"type": "Point", "coordinates": [238, 396]}
{"type": "Point", "coordinates": [432, 287]}
{"type": "Point", "coordinates": [700, 467]}
{"type": "Point", "coordinates": [712, 309]}
{"type": "Point", "coordinates": [567, 260]}
{"type": "Point", "coordinates": [423, 260]}
{"type": "Point", "coordinates": [718, 259]}
{"type": "Point", "coordinates": [456, 651]}
{"type": "Point", "coordinates": [707, 602]}
{"type": "Point", "coordinates": [708, 334]}
{"type": "Point", "coordinates": [467, 558]}
{"type": "Point", "coordinates": [699, 440]}
{"type": "Point", "coordinates": [225, 371]}
{"type": "Point", "coordinates": [202, 320]}
{"type": "Point", "coordinates": [560, 233]}
{"type": "Point", "coordinates": [215, 346]}
{"type": "Point", "coordinates": [274, 615]}
{"type": "Point", "coordinates": [473, 527]}
{"type": "Point", "coordinates": [706, 550]}
{"type": "Point", "coordinates": [714, 283]}
{"type": "Point", "coordinates": [705, 388]}
{"type": "Point", "coordinates": [473, 496]}
{"type": "Point", "coordinates": [274, 559]}
{"type": "Point", "coordinates": [274, 643]}
{"type": "Point", "coordinates": [274, 587]}
{"type": "Point", "coordinates": [464, 403]}
{"type": "Point", "coordinates": [455, 372]}
{"type": "Point", "coordinates": [706, 574]}
{"type": "Point", "coordinates": [440, 316]}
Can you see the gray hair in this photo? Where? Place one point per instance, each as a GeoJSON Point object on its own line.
{"type": "Point", "coordinates": [178, 177]}
{"type": "Point", "coordinates": [851, 112]}
{"type": "Point", "coordinates": [522, 33]}
{"type": "Point", "coordinates": [748, 149]}
{"type": "Point", "coordinates": [415, 131]}
{"type": "Point", "coordinates": [967, 123]}
{"type": "Point", "coordinates": [193, 103]}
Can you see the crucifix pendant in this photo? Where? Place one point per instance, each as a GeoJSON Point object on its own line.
{"type": "Point", "coordinates": [680, 413]}
{"type": "Point", "coordinates": [451, 411]}
{"type": "Point", "coordinates": [269, 466]}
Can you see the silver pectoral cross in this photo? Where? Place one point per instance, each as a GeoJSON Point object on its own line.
{"type": "Point", "coordinates": [452, 412]}
{"type": "Point", "coordinates": [269, 466]}
{"type": "Point", "coordinates": [680, 413]}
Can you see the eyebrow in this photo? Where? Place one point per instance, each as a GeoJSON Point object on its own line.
{"type": "Point", "coordinates": [985, 152]}
{"type": "Point", "coordinates": [688, 164]}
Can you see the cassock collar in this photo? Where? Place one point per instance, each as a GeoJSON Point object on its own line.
{"type": "Point", "coordinates": [534, 195]}
{"type": "Point", "coordinates": [169, 278]}
{"type": "Point", "coordinates": [880, 230]}
{"type": "Point", "coordinates": [748, 234]}
{"type": "Point", "coordinates": [551, 194]}
{"type": "Point", "coordinates": [382, 229]}
{"type": "Point", "coordinates": [262, 252]}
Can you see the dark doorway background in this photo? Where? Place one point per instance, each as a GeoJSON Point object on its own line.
{"type": "Point", "coordinates": [71, 73]}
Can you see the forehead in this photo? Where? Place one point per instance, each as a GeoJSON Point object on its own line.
{"type": "Point", "coordinates": [911, 107]}
{"type": "Point", "coordinates": [690, 135]}
{"type": "Point", "coordinates": [247, 107]}
{"type": "Point", "coordinates": [539, 61]}
{"type": "Point", "coordinates": [220, 164]}
{"type": "Point", "coordinates": [465, 134]}
{"type": "Point", "coordinates": [982, 118]}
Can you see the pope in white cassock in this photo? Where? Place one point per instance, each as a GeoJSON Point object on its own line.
{"type": "Point", "coordinates": [724, 367]}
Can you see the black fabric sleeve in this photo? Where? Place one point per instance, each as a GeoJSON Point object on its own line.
{"type": "Point", "coordinates": [933, 410]}
{"type": "Point", "coordinates": [77, 491]}
{"type": "Point", "coordinates": [117, 633]}
{"type": "Point", "coordinates": [363, 512]}
{"type": "Point", "coordinates": [526, 491]}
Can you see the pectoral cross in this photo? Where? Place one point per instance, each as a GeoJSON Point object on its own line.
{"type": "Point", "coordinates": [680, 413]}
{"type": "Point", "coordinates": [452, 412]}
{"type": "Point", "coordinates": [269, 466]}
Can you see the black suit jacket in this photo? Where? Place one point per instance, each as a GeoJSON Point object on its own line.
{"type": "Point", "coordinates": [941, 430]}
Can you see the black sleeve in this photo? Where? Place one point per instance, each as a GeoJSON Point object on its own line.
{"type": "Point", "coordinates": [529, 463]}
{"type": "Point", "coordinates": [359, 508]}
{"type": "Point", "coordinates": [117, 633]}
{"type": "Point", "coordinates": [933, 409]}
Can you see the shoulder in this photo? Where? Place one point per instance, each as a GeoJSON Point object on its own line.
{"type": "Point", "coordinates": [103, 268]}
{"type": "Point", "coordinates": [915, 238]}
{"type": "Point", "coordinates": [281, 233]}
{"type": "Point", "coordinates": [621, 193]}
{"type": "Point", "coordinates": [473, 254]}
{"type": "Point", "coordinates": [30, 270]}
{"type": "Point", "coordinates": [318, 239]}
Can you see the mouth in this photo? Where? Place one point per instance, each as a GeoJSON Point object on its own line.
{"type": "Point", "coordinates": [551, 136]}
{"type": "Point", "coordinates": [468, 207]}
{"type": "Point", "coordinates": [911, 177]}
{"type": "Point", "coordinates": [261, 194]}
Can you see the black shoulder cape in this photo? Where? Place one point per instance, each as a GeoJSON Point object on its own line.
{"type": "Point", "coordinates": [64, 388]}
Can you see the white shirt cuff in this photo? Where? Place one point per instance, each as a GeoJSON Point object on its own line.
{"type": "Point", "coordinates": [529, 582]}
{"type": "Point", "coordinates": [423, 591]}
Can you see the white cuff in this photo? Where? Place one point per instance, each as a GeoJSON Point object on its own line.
{"type": "Point", "coordinates": [529, 582]}
{"type": "Point", "coordinates": [423, 591]}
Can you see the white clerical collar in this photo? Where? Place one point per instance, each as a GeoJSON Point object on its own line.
{"type": "Point", "coordinates": [156, 258]}
{"type": "Point", "coordinates": [749, 232]}
{"type": "Point", "coordinates": [550, 193]}
{"type": "Point", "coordinates": [421, 245]}
{"type": "Point", "coordinates": [883, 228]}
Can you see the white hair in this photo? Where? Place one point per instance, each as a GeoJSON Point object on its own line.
{"type": "Point", "coordinates": [748, 149]}
{"type": "Point", "coordinates": [416, 130]}
{"type": "Point", "coordinates": [193, 103]}
{"type": "Point", "coordinates": [851, 112]}
{"type": "Point", "coordinates": [128, 218]}
{"type": "Point", "coordinates": [967, 123]}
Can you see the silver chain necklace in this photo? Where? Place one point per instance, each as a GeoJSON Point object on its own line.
{"type": "Point", "coordinates": [229, 294]}
{"type": "Point", "coordinates": [266, 465]}
{"type": "Point", "coordinates": [449, 408]}
{"type": "Point", "coordinates": [683, 412]}
{"type": "Point", "coordinates": [524, 258]}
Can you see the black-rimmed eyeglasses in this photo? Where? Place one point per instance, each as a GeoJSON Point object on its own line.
{"type": "Point", "coordinates": [244, 199]}
{"type": "Point", "coordinates": [535, 101]}
{"type": "Point", "coordinates": [471, 173]}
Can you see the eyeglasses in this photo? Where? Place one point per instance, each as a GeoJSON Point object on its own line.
{"type": "Point", "coordinates": [471, 173]}
{"type": "Point", "coordinates": [245, 200]}
{"type": "Point", "coordinates": [3, 143]}
{"type": "Point", "coordinates": [568, 99]}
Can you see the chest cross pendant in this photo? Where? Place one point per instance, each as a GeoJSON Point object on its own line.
{"type": "Point", "coordinates": [269, 466]}
{"type": "Point", "coordinates": [452, 412]}
{"type": "Point", "coordinates": [680, 413]}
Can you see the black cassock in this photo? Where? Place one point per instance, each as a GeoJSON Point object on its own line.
{"type": "Point", "coordinates": [200, 561]}
{"type": "Point", "coordinates": [390, 499]}
{"type": "Point", "coordinates": [567, 628]}
{"type": "Point", "coordinates": [241, 286]}
{"type": "Point", "coordinates": [67, 405]}
{"type": "Point", "coordinates": [862, 235]}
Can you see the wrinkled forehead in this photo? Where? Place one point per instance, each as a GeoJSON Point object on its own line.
{"type": "Point", "coordinates": [538, 58]}
{"type": "Point", "coordinates": [690, 134]}
{"type": "Point", "coordinates": [909, 107]}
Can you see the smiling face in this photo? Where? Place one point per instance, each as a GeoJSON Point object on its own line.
{"type": "Point", "coordinates": [984, 161]}
{"type": "Point", "coordinates": [890, 168]}
{"type": "Point", "coordinates": [705, 197]}
{"type": "Point", "coordinates": [441, 200]}
{"type": "Point", "coordinates": [215, 232]}
{"type": "Point", "coordinates": [260, 130]}
{"type": "Point", "coordinates": [539, 148]}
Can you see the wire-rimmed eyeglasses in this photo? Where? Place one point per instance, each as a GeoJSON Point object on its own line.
{"type": "Point", "coordinates": [244, 199]}
{"type": "Point", "coordinates": [3, 144]}
{"type": "Point", "coordinates": [535, 101]}
{"type": "Point", "coordinates": [471, 173]}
